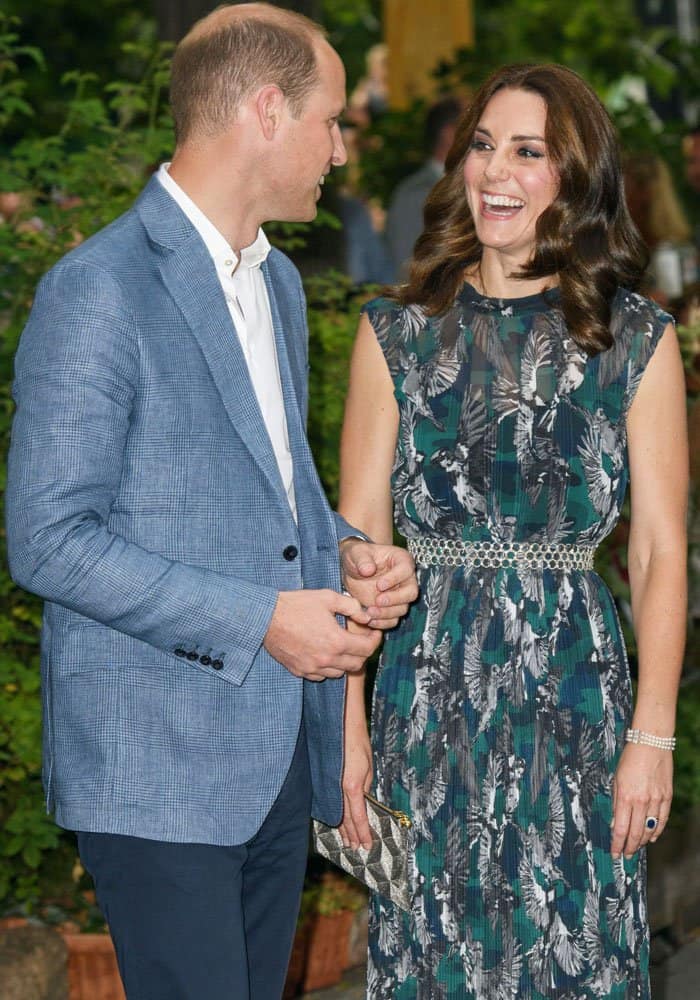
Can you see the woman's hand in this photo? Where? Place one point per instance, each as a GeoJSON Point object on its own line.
{"type": "Point", "coordinates": [381, 577]}
{"type": "Point", "coordinates": [357, 779]}
{"type": "Point", "coordinates": [642, 788]}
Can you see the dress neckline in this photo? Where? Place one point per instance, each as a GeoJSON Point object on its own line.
{"type": "Point", "coordinates": [537, 301]}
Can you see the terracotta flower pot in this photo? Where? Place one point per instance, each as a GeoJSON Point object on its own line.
{"type": "Point", "coordinates": [297, 961]}
{"type": "Point", "coordinates": [327, 954]}
{"type": "Point", "coordinates": [92, 968]}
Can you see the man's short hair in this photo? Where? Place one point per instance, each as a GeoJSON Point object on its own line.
{"type": "Point", "coordinates": [224, 59]}
{"type": "Point", "coordinates": [442, 113]}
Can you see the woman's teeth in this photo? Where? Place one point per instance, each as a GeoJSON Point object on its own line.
{"type": "Point", "coordinates": [501, 201]}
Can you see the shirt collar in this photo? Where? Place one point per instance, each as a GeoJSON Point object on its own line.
{"type": "Point", "coordinates": [219, 249]}
{"type": "Point", "coordinates": [257, 252]}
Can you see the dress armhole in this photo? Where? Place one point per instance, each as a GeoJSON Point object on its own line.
{"type": "Point", "coordinates": [643, 344]}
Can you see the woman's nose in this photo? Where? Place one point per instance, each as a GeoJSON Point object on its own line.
{"type": "Point", "coordinates": [496, 167]}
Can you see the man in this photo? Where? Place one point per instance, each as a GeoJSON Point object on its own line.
{"type": "Point", "coordinates": [404, 221]}
{"type": "Point", "coordinates": [163, 500]}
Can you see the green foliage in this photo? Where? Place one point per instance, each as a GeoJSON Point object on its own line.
{"type": "Point", "coordinates": [353, 27]}
{"type": "Point", "coordinates": [331, 892]}
{"type": "Point", "coordinates": [12, 85]}
{"type": "Point", "coordinates": [686, 780]}
{"type": "Point", "coordinates": [70, 31]}
{"type": "Point", "coordinates": [106, 144]}
{"type": "Point", "coordinates": [334, 308]}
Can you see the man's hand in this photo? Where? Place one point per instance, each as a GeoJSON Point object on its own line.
{"type": "Point", "coordinates": [381, 577]}
{"type": "Point", "coordinates": [305, 637]}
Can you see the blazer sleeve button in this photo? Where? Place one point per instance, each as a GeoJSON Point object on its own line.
{"type": "Point", "coordinates": [205, 660]}
{"type": "Point", "coordinates": [290, 553]}
{"type": "Point", "coordinates": [217, 664]}
{"type": "Point", "coordinates": [180, 652]}
{"type": "Point", "coordinates": [192, 655]}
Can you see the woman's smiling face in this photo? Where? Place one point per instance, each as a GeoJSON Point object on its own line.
{"type": "Point", "coordinates": [508, 175]}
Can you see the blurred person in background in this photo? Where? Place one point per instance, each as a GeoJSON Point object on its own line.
{"type": "Point", "coordinates": [659, 216]}
{"type": "Point", "coordinates": [691, 159]}
{"type": "Point", "coordinates": [365, 256]}
{"type": "Point", "coordinates": [404, 221]}
{"type": "Point", "coordinates": [370, 98]}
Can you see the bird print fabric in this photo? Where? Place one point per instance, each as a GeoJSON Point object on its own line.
{"type": "Point", "coordinates": [501, 700]}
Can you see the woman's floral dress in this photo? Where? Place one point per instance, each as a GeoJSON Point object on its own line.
{"type": "Point", "coordinates": [502, 698]}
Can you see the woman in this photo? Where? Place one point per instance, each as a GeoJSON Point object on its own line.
{"type": "Point", "coordinates": [505, 396]}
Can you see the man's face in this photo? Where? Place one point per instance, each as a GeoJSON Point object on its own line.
{"type": "Point", "coordinates": [310, 144]}
{"type": "Point", "coordinates": [691, 150]}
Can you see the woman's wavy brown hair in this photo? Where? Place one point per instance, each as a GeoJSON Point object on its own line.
{"type": "Point", "coordinates": [586, 236]}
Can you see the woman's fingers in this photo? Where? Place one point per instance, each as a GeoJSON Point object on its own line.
{"type": "Point", "coordinates": [662, 815]}
{"type": "Point", "coordinates": [355, 829]}
{"type": "Point", "coordinates": [620, 827]}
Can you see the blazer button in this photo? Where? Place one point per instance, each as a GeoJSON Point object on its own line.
{"type": "Point", "coordinates": [205, 660]}
{"type": "Point", "coordinates": [290, 553]}
{"type": "Point", "coordinates": [192, 655]}
{"type": "Point", "coordinates": [180, 652]}
{"type": "Point", "coordinates": [217, 664]}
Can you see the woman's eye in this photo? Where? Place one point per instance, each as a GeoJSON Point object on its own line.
{"type": "Point", "coordinates": [478, 144]}
{"type": "Point", "coordinates": [528, 153]}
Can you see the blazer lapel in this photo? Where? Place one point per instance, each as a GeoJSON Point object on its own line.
{"type": "Point", "coordinates": [288, 364]}
{"type": "Point", "coordinates": [190, 277]}
{"type": "Point", "coordinates": [287, 321]}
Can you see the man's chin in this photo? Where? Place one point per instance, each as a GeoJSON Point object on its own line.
{"type": "Point", "coordinates": [310, 215]}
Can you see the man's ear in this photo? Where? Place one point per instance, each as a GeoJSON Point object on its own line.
{"type": "Point", "coordinates": [270, 105]}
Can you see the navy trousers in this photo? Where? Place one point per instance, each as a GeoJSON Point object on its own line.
{"type": "Point", "coordinates": [201, 922]}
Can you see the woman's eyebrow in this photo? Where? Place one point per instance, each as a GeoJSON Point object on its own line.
{"type": "Point", "coordinates": [513, 138]}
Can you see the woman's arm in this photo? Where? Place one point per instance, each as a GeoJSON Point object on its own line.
{"type": "Point", "coordinates": [658, 455]}
{"type": "Point", "coordinates": [366, 458]}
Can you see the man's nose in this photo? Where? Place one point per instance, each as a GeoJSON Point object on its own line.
{"type": "Point", "coordinates": [340, 153]}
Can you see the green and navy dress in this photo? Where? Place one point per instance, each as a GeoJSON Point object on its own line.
{"type": "Point", "coordinates": [502, 698]}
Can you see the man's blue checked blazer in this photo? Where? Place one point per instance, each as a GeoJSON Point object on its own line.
{"type": "Point", "coordinates": [146, 507]}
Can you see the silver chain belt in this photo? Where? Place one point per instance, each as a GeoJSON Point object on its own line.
{"type": "Point", "coordinates": [499, 555]}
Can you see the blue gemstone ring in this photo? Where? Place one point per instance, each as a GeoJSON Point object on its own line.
{"type": "Point", "coordinates": [652, 823]}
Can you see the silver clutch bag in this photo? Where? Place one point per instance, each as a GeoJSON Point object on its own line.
{"type": "Point", "coordinates": [384, 867]}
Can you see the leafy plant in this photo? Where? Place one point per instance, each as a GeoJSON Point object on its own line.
{"type": "Point", "coordinates": [686, 759]}
{"type": "Point", "coordinates": [334, 310]}
{"type": "Point", "coordinates": [332, 893]}
{"type": "Point", "coordinates": [64, 186]}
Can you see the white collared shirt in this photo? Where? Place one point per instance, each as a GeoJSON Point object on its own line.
{"type": "Point", "coordinates": [244, 288]}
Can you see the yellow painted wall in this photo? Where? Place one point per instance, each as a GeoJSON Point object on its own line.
{"type": "Point", "coordinates": [419, 33]}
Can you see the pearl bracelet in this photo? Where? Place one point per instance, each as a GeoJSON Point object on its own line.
{"type": "Point", "coordinates": [649, 740]}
